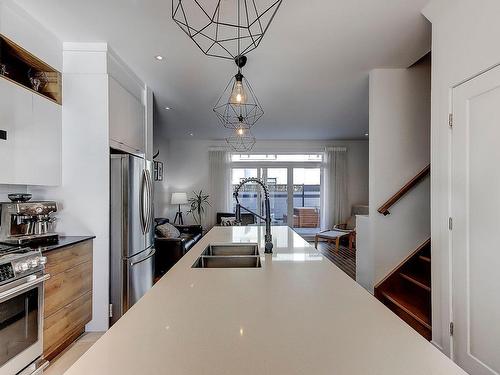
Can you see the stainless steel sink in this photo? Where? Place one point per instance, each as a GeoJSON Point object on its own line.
{"type": "Point", "coordinates": [232, 249]}
{"type": "Point", "coordinates": [227, 261]}
{"type": "Point", "coordinates": [229, 255]}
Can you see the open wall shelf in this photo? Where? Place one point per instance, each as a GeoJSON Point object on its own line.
{"type": "Point", "coordinates": [23, 68]}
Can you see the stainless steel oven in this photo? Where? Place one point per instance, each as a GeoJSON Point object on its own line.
{"type": "Point", "coordinates": [22, 281]}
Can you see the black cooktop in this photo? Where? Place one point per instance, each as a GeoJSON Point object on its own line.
{"type": "Point", "coordinates": [9, 248]}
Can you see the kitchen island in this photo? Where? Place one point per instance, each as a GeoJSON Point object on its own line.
{"type": "Point", "coordinates": [296, 314]}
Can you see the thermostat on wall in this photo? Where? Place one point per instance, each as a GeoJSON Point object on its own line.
{"type": "Point", "coordinates": [3, 134]}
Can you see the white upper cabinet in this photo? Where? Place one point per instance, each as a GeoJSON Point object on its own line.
{"type": "Point", "coordinates": [127, 125]}
{"type": "Point", "coordinates": [39, 145]}
{"type": "Point", "coordinates": [31, 155]}
{"type": "Point", "coordinates": [13, 104]}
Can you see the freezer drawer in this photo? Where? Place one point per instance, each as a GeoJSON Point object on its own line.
{"type": "Point", "coordinates": [140, 275]}
{"type": "Point", "coordinates": [131, 278]}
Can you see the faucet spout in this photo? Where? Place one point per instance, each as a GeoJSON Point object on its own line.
{"type": "Point", "coordinates": [268, 236]}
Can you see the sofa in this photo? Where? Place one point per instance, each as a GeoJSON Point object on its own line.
{"type": "Point", "coordinates": [170, 250]}
{"type": "Point", "coordinates": [246, 218]}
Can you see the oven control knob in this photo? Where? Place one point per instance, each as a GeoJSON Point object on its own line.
{"type": "Point", "coordinates": [24, 266]}
{"type": "Point", "coordinates": [34, 263]}
{"type": "Point", "coordinates": [43, 260]}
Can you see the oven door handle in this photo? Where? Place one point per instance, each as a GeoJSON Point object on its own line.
{"type": "Point", "coordinates": [30, 283]}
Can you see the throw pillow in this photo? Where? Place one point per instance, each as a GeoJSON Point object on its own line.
{"type": "Point", "coordinates": [227, 221]}
{"type": "Point", "coordinates": [167, 230]}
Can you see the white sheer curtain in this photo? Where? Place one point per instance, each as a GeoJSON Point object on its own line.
{"type": "Point", "coordinates": [220, 184]}
{"type": "Point", "coordinates": [334, 208]}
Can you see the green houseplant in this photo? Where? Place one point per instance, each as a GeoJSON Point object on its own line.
{"type": "Point", "coordinates": [198, 205]}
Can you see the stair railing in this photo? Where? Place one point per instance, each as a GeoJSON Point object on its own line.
{"type": "Point", "coordinates": [384, 209]}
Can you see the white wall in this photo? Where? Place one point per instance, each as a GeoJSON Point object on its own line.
{"type": "Point", "coordinates": [19, 26]}
{"type": "Point", "coordinates": [186, 166]}
{"type": "Point", "coordinates": [399, 149]}
{"type": "Point", "coordinates": [464, 44]}
{"type": "Point", "coordinates": [364, 253]}
{"type": "Point", "coordinates": [84, 192]}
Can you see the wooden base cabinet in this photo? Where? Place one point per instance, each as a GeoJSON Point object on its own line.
{"type": "Point", "coordinates": [68, 296]}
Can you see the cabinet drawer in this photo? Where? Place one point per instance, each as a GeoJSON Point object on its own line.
{"type": "Point", "coordinates": [68, 257]}
{"type": "Point", "coordinates": [65, 287]}
{"type": "Point", "coordinates": [62, 325]}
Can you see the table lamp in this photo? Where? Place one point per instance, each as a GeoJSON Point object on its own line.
{"type": "Point", "coordinates": [179, 198]}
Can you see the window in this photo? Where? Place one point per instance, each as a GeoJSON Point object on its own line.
{"type": "Point", "coordinates": [249, 194]}
{"type": "Point", "coordinates": [294, 182]}
{"type": "Point", "coordinates": [306, 200]}
{"type": "Point", "coordinates": [317, 158]}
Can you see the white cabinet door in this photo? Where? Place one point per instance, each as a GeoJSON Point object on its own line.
{"type": "Point", "coordinates": [476, 224]}
{"type": "Point", "coordinates": [126, 119]}
{"type": "Point", "coordinates": [15, 113]}
{"type": "Point", "coordinates": [38, 145]}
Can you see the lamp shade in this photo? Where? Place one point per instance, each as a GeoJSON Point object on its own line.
{"type": "Point", "coordinates": [179, 198]}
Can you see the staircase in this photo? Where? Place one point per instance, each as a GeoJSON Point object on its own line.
{"type": "Point", "coordinates": [407, 290]}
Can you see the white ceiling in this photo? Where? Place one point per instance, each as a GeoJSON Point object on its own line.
{"type": "Point", "coordinates": [310, 71]}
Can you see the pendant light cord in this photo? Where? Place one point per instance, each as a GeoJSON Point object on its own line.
{"type": "Point", "coordinates": [239, 29]}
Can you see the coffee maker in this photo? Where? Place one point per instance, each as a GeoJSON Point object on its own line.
{"type": "Point", "coordinates": [27, 222]}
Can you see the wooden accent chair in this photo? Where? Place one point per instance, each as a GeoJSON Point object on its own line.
{"type": "Point", "coordinates": [304, 217]}
{"type": "Point", "coordinates": [348, 228]}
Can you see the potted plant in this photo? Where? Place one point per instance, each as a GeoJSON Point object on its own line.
{"type": "Point", "coordinates": [198, 204]}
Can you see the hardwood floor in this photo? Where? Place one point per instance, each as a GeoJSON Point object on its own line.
{"type": "Point", "coordinates": [345, 259]}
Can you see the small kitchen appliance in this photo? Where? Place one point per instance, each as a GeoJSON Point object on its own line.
{"type": "Point", "coordinates": [27, 222]}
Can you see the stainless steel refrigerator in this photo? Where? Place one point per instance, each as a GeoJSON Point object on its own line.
{"type": "Point", "coordinates": [132, 232]}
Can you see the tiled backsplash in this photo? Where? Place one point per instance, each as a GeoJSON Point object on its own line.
{"type": "Point", "coordinates": [7, 189]}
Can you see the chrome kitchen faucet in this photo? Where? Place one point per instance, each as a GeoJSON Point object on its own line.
{"type": "Point", "coordinates": [268, 237]}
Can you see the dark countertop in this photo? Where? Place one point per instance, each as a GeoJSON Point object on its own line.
{"type": "Point", "coordinates": [63, 241]}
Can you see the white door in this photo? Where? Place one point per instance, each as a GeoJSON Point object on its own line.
{"type": "Point", "coordinates": [476, 223]}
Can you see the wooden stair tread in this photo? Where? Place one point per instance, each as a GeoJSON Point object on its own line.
{"type": "Point", "coordinates": [406, 290]}
{"type": "Point", "coordinates": [425, 258]}
{"type": "Point", "coordinates": [405, 303]}
{"type": "Point", "coordinates": [417, 279]}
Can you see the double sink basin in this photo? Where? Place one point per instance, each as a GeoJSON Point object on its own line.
{"type": "Point", "coordinates": [244, 255]}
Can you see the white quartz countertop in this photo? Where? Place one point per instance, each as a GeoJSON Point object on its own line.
{"type": "Point", "coordinates": [298, 314]}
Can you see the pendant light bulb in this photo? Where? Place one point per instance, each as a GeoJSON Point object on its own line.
{"type": "Point", "coordinates": [241, 131]}
{"type": "Point", "coordinates": [238, 95]}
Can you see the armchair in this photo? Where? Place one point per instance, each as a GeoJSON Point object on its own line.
{"type": "Point", "coordinates": [350, 228]}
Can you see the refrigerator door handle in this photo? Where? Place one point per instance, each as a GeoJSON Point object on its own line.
{"type": "Point", "coordinates": [146, 204]}
{"type": "Point", "coordinates": [142, 192]}
{"type": "Point", "coordinates": [152, 252]}
{"type": "Point", "coordinates": [150, 201]}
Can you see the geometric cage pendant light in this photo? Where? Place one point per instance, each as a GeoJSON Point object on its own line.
{"type": "Point", "coordinates": [225, 28]}
{"type": "Point", "coordinates": [241, 140]}
{"type": "Point", "coordinates": [238, 107]}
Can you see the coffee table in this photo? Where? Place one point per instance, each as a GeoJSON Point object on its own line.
{"type": "Point", "coordinates": [330, 236]}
